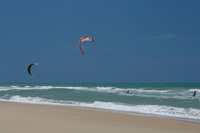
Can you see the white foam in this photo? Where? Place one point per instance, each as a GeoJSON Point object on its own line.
{"type": "Point", "coordinates": [192, 90]}
{"type": "Point", "coordinates": [147, 109]}
{"type": "Point", "coordinates": [149, 91]}
{"type": "Point", "coordinates": [25, 88]}
{"type": "Point", "coordinates": [98, 88]}
{"type": "Point", "coordinates": [140, 92]}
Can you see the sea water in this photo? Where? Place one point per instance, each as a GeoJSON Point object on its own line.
{"type": "Point", "coordinates": [174, 100]}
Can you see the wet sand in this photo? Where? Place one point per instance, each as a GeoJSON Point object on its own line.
{"type": "Point", "coordinates": [32, 118]}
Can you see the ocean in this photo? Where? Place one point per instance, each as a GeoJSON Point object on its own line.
{"type": "Point", "coordinates": [171, 100]}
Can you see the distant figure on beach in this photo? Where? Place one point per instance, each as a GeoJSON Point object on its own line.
{"type": "Point", "coordinates": [127, 91]}
{"type": "Point", "coordinates": [194, 93]}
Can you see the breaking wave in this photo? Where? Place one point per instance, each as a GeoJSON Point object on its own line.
{"type": "Point", "coordinates": [161, 110]}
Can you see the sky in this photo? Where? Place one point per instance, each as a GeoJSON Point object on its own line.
{"type": "Point", "coordinates": [135, 41]}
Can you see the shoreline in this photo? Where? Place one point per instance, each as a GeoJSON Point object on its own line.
{"type": "Point", "coordinates": [188, 120]}
{"type": "Point", "coordinates": [32, 118]}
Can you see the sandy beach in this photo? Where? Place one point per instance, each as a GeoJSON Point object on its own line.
{"type": "Point", "coordinates": [32, 118]}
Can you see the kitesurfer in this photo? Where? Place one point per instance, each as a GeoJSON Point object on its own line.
{"type": "Point", "coordinates": [194, 93]}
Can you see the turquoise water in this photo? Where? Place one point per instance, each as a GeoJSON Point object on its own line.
{"type": "Point", "coordinates": [171, 100]}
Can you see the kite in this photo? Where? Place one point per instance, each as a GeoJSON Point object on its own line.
{"type": "Point", "coordinates": [85, 38]}
{"type": "Point", "coordinates": [29, 68]}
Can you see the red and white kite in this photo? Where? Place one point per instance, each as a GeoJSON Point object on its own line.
{"type": "Point", "coordinates": [85, 38]}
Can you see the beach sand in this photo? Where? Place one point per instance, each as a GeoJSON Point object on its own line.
{"type": "Point", "coordinates": [32, 118]}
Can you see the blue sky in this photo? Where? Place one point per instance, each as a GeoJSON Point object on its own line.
{"type": "Point", "coordinates": [134, 41]}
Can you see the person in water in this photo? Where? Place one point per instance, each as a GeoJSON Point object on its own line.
{"type": "Point", "coordinates": [194, 93]}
